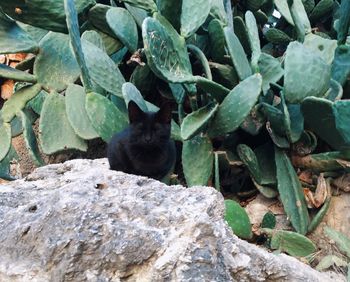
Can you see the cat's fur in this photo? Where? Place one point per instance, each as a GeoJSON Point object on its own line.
{"type": "Point", "coordinates": [144, 147]}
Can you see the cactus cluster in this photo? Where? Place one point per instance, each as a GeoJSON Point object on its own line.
{"type": "Point", "coordinates": [255, 95]}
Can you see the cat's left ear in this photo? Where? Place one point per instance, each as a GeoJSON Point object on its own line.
{"type": "Point", "coordinates": [164, 114]}
{"type": "Point", "coordinates": [135, 113]}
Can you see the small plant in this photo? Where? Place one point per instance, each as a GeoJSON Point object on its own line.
{"type": "Point", "coordinates": [255, 96]}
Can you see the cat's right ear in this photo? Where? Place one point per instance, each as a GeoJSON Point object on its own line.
{"type": "Point", "coordinates": [135, 113]}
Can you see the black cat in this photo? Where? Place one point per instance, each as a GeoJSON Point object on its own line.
{"type": "Point", "coordinates": [144, 148]}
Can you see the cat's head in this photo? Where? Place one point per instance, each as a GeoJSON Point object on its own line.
{"type": "Point", "coordinates": [148, 128]}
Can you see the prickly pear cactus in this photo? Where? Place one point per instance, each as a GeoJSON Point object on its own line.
{"type": "Point", "coordinates": [254, 97]}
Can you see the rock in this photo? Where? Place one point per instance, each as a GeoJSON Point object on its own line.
{"type": "Point", "coordinates": [80, 221]}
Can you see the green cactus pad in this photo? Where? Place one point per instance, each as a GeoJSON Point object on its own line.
{"type": "Point", "coordinates": [124, 27]}
{"type": "Point", "coordinates": [165, 51]}
{"type": "Point", "coordinates": [178, 91]}
{"type": "Point", "coordinates": [197, 121]}
{"type": "Point", "coordinates": [335, 91]}
{"type": "Point", "coordinates": [282, 6]}
{"type": "Point", "coordinates": [254, 5]}
{"type": "Point", "coordinates": [224, 74]}
{"type": "Point", "coordinates": [254, 122]}
{"type": "Point", "coordinates": [306, 74]}
{"type": "Point", "coordinates": [341, 110]}
{"type": "Point", "coordinates": [296, 118]}
{"type": "Point", "coordinates": [74, 34]}
{"type": "Point", "coordinates": [242, 33]}
{"type": "Point", "coordinates": [35, 33]}
{"type": "Point", "coordinates": [238, 57]}
{"type": "Point", "coordinates": [317, 219]}
{"type": "Point", "coordinates": [171, 10]}
{"type": "Point", "coordinates": [308, 5]}
{"type": "Point", "coordinates": [268, 221]}
{"type": "Point", "coordinates": [217, 11]}
{"type": "Point", "coordinates": [276, 118]}
{"type": "Point", "coordinates": [322, 8]}
{"type": "Point", "coordinates": [56, 133]}
{"type": "Point", "coordinates": [13, 38]}
{"type": "Point", "coordinates": [175, 131]}
{"type": "Point", "coordinates": [197, 160]}
{"type": "Point", "coordinates": [147, 5]}
{"type": "Point", "coordinates": [143, 78]}
{"type": "Point", "coordinates": [344, 24]}
{"type": "Point", "coordinates": [47, 14]}
{"type": "Point", "coordinates": [106, 118]}
{"type": "Point", "coordinates": [300, 18]}
{"type": "Point", "coordinates": [341, 64]}
{"type": "Point", "coordinates": [341, 240]}
{"type": "Point", "coordinates": [37, 102]}
{"type": "Point", "coordinates": [265, 157]}
{"type": "Point", "coordinates": [261, 17]}
{"type": "Point", "coordinates": [11, 73]}
{"type": "Point", "coordinates": [292, 243]}
{"type": "Point", "coordinates": [76, 112]}
{"type": "Point", "coordinates": [95, 38]}
{"type": "Point", "coordinates": [325, 48]}
{"type": "Point", "coordinates": [131, 93]}
{"type": "Point", "coordinates": [5, 139]}
{"type": "Point", "coordinates": [138, 14]}
{"type": "Point", "coordinates": [102, 69]}
{"type": "Point", "coordinates": [30, 139]}
{"type": "Point", "coordinates": [270, 69]}
{"type": "Point", "coordinates": [5, 164]}
{"type": "Point", "coordinates": [248, 157]}
{"type": "Point", "coordinates": [217, 40]}
{"type": "Point", "coordinates": [97, 17]}
{"type": "Point", "coordinates": [276, 36]}
{"type": "Point", "coordinates": [253, 36]}
{"type": "Point", "coordinates": [291, 192]}
{"type": "Point", "coordinates": [236, 106]}
{"type": "Point", "coordinates": [18, 101]}
{"type": "Point", "coordinates": [328, 120]}
{"type": "Point", "coordinates": [217, 91]}
{"type": "Point", "coordinates": [49, 68]}
{"type": "Point", "coordinates": [193, 15]}
{"type": "Point", "coordinates": [237, 218]}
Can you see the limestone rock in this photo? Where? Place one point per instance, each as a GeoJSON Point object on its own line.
{"type": "Point", "coordinates": [80, 221]}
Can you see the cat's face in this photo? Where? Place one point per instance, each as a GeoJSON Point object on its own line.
{"type": "Point", "coordinates": [149, 129]}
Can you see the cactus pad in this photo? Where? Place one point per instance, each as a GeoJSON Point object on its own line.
{"type": "Point", "coordinates": [106, 118]}
{"type": "Point", "coordinates": [197, 160]}
{"type": "Point", "coordinates": [237, 218]}
{"type": "Point", "coordinates": [76, 113]}
{"type": "Point", "coordinates": [236, 106]}
{"type": "Point", "coordinates": [56, 133]}
{"type": "Point", "coordinates": [306, 74]}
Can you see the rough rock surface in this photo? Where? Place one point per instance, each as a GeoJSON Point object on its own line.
{"type": "Point", "coordinates": [79, 221]}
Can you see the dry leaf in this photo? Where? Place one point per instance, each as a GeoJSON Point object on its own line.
{"type": "Point", "coordinates": [306, 177]}
{"type": "Point", "coordinates": [309, 197]}
{"type": "Point", "coordinates": [342, 182]}
{"type": "Point", "coordinates": [321, 191]}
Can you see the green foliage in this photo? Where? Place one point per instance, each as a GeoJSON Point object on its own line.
{"type": "Point", "coordinates": [283, 81]}
{"type": "Point", "coordinates": [56, 132]}
{"type": "Point", "coordinates": [237, 218]}
{"type": "Point", "coordinates": [269, 221]}
{"type": "Point", "coordinates": [292, 243]}
{"type": "Point", "coordinates": [291, 192]}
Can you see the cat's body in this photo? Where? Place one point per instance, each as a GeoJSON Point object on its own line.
{"type": "Point", "coordinates": [144, 148]}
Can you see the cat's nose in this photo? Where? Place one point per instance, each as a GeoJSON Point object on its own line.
{"type": "Point", "coordinates": [148, 138]}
